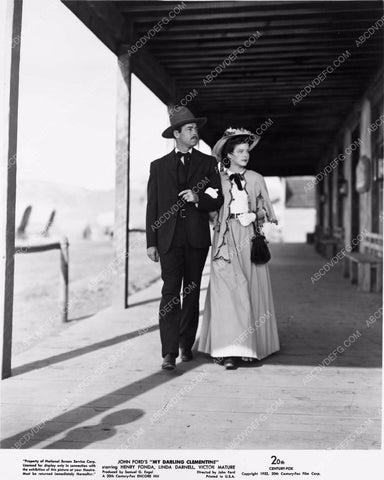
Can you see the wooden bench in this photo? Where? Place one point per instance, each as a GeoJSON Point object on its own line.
{"type": "Point", "coordinates": [366, 268]}
{"type": "Point", "coordinates": [329, 243]}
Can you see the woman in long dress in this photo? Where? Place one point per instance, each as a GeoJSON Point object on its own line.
{"type": "Point", "coordinates": [239, 317]}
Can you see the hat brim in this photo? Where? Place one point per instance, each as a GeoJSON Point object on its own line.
{"type": "Point", "coordinates": [168, 132]}
{"type": "Point", "coordinates": [217, 149]}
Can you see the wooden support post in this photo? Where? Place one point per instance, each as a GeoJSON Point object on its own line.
{"type": "Point", "coordinates": [121, 227]}
{"type": "Point", "coordinates": [353, 268]}
{"type": "Point", "coordinates": [346, 267]}
{"type": "Point", "coordinates": [378, 287]}
{"type": "Point", "coordinates": [329, 249]}
{"type": "Point", "coordinates": [64, 277]}
{"type": "Point", "coordinates": [10, 34]}
{"type": "Point", "coordinates": [364, 277]}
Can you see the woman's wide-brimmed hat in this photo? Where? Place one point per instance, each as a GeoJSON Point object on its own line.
{"type": "Point", "coordinates": [181, 117]}
{"type": "Point", "coordinates": [250, 137]}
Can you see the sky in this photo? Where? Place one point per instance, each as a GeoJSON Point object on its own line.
{"type": "Point", "coordinates": [67, 104]}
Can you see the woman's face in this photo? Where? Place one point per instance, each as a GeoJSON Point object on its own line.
{"type": "Point", "coordinates": [240, 156]}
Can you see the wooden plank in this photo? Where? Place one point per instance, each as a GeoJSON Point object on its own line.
{"type": "Point", "coordinates": [362, 258]}
{"type": "Point", "coordinates": [183, 22]}
{"type": "Point", "coordinates": [255, 15]}
{"type": "Point", "coordinates": [266, 73]}
{"type": "Point", "coordinates": [155, 6]}
{"type": "Point", "coordinates": [375, 236]}
{"type": "Point", "coordinates": [20, 248]}
{"type": "Point", "coordinates": [170, 37]}
{"type": "Point", "coordinates": [372, 246]}
{"type": "Point", "coordinates": [335, 403]}
{"type": "Point", "coordinates": [274, 7]}
{"type": "Point", "coordinates": [10, 18]}
{"type": "Point", "coordinates": [234, 39]}
{"type": "Point", "coordinates": [275, 67]}
{"type": "Point", "coordinates": [219, 45]}
{"type": "Point", "coordinates": [312, 60]}
{"type": "Point", "coordinates": [147, 12]}
{"type": "Point", "coordinates": [282, 86]}
{"type": "Point", "coordinates": [143, 18]}
{"type": "Point", "coordinates": [262, 49]}
{"type": "Point", "coordinates": [271, 70]}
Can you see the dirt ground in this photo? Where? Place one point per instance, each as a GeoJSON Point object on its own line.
{"type": "Point", "coordinates": [36, 300]}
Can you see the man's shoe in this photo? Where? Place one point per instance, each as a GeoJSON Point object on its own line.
{"type": "Point", "coordinates": [229, 363]}
{"type": "Point", "coordinates": [186, 355]}
{"type": "Point", "coordinates": [169, 362]}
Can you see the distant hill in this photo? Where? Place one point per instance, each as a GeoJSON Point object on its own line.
{"type": "Point", "coordinates": [76, 207]}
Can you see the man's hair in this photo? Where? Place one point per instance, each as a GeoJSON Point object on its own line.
{"type": "Point", "coordinates": [178, 129]}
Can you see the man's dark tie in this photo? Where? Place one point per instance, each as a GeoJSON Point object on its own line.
{"type": "Point", "coordinates": [237, 177]}
{"type": "Point", "coordinates": [187, 158]}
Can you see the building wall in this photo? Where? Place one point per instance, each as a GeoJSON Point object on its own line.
{"type": "Point", "coordinates": [359, 120]}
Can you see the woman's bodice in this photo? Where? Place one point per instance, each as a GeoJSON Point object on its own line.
{"type": "Point", "coordinates": [257, 199]}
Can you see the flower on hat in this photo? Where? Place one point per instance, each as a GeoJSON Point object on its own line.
{"type": "Point", "coordinates": [236, 131]}
{"type": "Point", "coordinates": [252, 139]}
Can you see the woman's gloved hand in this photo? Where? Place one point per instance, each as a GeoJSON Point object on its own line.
{"type": "Point", "coordinates": [246, 218]}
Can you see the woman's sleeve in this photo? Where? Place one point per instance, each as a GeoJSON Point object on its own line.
{"type": "Point", "coordinates": [267, 204]}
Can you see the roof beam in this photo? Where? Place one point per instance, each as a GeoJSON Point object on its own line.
{"type": "Point", "coordinates": [262, 48]}
{"type": "Point", "coordinates": [191, 36]}
{"type": "Point", "coordinates": [249, 12]}
{"type": "Point", "coordinates": [102, 19]}
{"type": "Point", "coordinates": [232, 43]}
{"type": "Point", "coordinates": [267, 8]}
{"type": "Point", "coordinates": [183, 23]}
{"type": "Point", "coordinates": [155, 77]}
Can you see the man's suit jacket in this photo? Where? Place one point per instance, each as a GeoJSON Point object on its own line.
{"type": "Point", "coordinates": [164, 204]}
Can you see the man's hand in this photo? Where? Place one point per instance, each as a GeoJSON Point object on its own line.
{"type": "Point", "coordinates": [189, 196]}
{"type": "Point", "coordinates": [153, 254]}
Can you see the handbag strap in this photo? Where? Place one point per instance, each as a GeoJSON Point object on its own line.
{"type": "Point", "coordinates": [257, 227]}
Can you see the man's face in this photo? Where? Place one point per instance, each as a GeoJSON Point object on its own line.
{"type": "Point", "coordinates": [188, 136]}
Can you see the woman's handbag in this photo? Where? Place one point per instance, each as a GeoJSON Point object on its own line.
{"type": "Point", "coordinates": [260, 253]}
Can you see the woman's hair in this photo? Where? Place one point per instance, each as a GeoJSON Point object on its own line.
{"type": "Point", "coordinates": [229, 147]}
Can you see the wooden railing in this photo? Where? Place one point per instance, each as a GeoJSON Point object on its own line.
{"type": "Point", "coordinates": [63, 246]}
{"type": "Point", "coordinates": [373, 244]}
{"type": "Point", "coordinates": [366, 268]}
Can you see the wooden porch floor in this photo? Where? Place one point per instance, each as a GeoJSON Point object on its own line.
{"type": "Point", "coordinates": [98, 383]}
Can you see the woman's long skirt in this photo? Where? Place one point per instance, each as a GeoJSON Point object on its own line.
{"type": "Point", "coordinates": [239, 317]}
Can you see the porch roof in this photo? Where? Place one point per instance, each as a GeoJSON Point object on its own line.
{"type": "Point", "coordinates": [297, 41]}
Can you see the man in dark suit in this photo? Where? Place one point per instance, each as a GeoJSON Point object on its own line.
{"type": "Point", "coordinates": [183, 187]}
